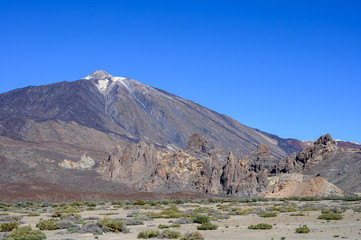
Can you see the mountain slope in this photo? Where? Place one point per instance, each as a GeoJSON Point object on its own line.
{"type": "Point", "coordinates": [127, 110]}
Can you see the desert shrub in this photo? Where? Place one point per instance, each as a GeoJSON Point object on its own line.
{"type": "Point", "coordinates": [8, 226]}
{"type": "Point", "coordinates": [26, 233]}
{"type": "Point", "coordinates": [148, 234]}
{"type": "Point", "coordinates": [243, 212]}
{"type": "Point", "coordinates": [170, 234]}
{"type": "Point", "coordinates": [139, 202]}
{"type": "Point", "coordinates": [298, 214]}
{"type": "Point", "coordinates": [94, 228]}
{"type": "Point", "coordinates": [162, 226]}
{"type": "Point", "coordinates": [135, 221]}
{"type": "Point", "coordinates": [261, 226]}
{"type": "Point", "coordinates": [101, 203]}
{"type": "Point", "coordinates": [182, 221]}
{"type": "Point", "coordinates": [201, 219]}
{"type": "Point", "coordinates": [193, 236]}
{"type": "Point", "coordinates": [91, 204]}
{"type": "Point", "coordinates": [65, 223]}
{"type": "Point", "coordinates": [62, 211]}
{"type": "Point", "coordinates": [50, 224]}
{"type": "Point", "coordinates": [33, 214]}
{"type": "Point", "coordinates": [333, 210]}
{"type": "Point", "coordinates": [290, 209]}
{"type": "Point", "coordinates": [351, 198]}
{"type": "Point", "coordinates": [267, 214]}
{"type": "Point", "coordinates": [207, 226]}
{"type": "Point", "coordinates": [178, 201]}
{"type": "Point", "coordinates": [302, 229]}
{"type": "Point", "coordinates": [330, 216]}
{"type": "Point", "coordinates": [75, 204]}
{"type": "Point", "coordinates": [72, 229]}
{"type": "Point", "coordinates": [112, 224]}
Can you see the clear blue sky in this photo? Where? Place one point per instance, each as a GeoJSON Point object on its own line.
{"type": "Point", "coordinates": [292, 68]}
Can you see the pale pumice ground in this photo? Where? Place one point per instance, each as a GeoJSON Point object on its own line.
{"type": "Point", "coordinates": [236, 227]}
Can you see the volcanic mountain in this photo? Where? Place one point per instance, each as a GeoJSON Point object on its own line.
{"type": "Point", "coordinates": [100, 109]}
{"type": "Point", "coordinates": [106, 137]}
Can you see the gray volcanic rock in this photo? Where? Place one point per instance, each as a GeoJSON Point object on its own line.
{"type": "Point", "coordinates": [131, 165]}
{"type": "Point", "coordinates": [324, 147]}
{"type": "Point", "coordinates": [340, 166]}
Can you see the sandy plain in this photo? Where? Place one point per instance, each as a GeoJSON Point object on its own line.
{"type": "Point", "coordinates": [231, 225]}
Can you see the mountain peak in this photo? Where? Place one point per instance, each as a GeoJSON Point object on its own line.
{"type": "Point", "coordinates": [99, 75]}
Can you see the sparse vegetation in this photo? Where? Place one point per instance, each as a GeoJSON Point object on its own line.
{"type": "Point", "coordinates": [260, 226]}
{"type": "Point", "coordinates": [330, 216]}
{"type": "Point", "coordinates": [201, 219]}
{"type": "Point", "coordinates": [148, 234]}
{"type": "Point", "coordinates": [207, 226]}
{"type": "Point", "coordinates": [50, 224]}
{"type": "Point", "coordinates": [8, 227]}
{"type": "Point", "coordinates": [302, 229]}
{"type": "Point", "coordinates": [162, 226]}
{"type": "Point", "coordinates": [193, 236]}
{"type": "Point", "coordinates": [170, 234]}
{"type": "Point", "coordinates": [26, 233]}
{"type": "Point", "coordinates": [112, 224]}
{"type": "Point", "coordinates": [267, 214]}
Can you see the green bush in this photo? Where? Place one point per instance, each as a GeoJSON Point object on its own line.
{"type": "Point", "coordinates": [201, 219]}
{"type": "Point", "coordinates": [193, 236]}
{"type": "Point", "coordinates": [75, 204]}
{"type": "Point", "coordinates": [112, 224]}
{"type": "Point", "coordinates": [162, 226]}
{"type": "Point", "coordinates": [8, 227]}
{"type": "Point", "coordinates": [91, 204]}
{"type": "Point", "coordinates": [207, 226]}
{"type": "Point", "coordinates": [139, 202]}
{"type": "Point", "coordinates": [148, 234]}
{"type": "Point", "coordinates": [302, 229]}
{"type": "Point", "coordinates": [261, 226]}
{"type": "Point", "coordinates": [330, 216]}
{"type": "Point", "coordinates": [171, 234]}
{"type": "Point", "coordinates": [33, 214]}
{"type": "Point", "coordinates": [50, 224]}
{"type": "Point", "coordinates": [26, 233]}
{"type": "Point", "coordinates": [267, 214]}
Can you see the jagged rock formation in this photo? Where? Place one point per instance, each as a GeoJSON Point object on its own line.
{"type": "Point", "coordinates": [324, 147]}
{"type": "Point", "coordinates": [85, 162]}
{"type": "Point", "coordinates": [131, 165]}
{"type": "Point", "coordinates": [299, 185]}
{"type": "Point", "coordinates": [238, 179]}
{"type": "Point", "coordinates": [200, 168]}
{"type": "Point", "coordinates": [339, 166]}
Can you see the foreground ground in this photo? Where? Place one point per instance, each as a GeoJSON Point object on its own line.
{"type": "Point", "coordinates": [233, 217]}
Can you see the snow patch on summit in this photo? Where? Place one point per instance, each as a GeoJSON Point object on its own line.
{"type": "Point", "coordinates": [102, 85]}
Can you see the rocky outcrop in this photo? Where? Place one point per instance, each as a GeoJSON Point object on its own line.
{"type": "Point", "coordinates": [200, 168]}
{"type": "Point", "coordinates": [238, 179]}
{"type": "Point", "coordinates": [323, 148]}
{"type": "Point", "coordinates": [85, 162]}
{"type": "Point", "coordinates": [299, 185]}
{"type": "Point", "coordinates": [132, 164]}
{"type": "Point", "coordinates": [261, 159]}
